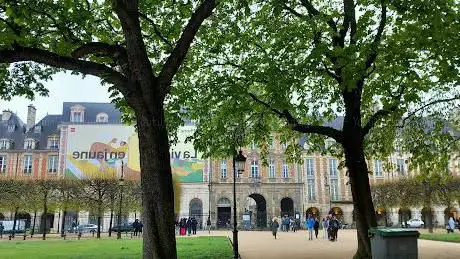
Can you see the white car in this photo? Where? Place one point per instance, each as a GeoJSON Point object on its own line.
{"type": "Point", "coordinates": [415, 223]}
{"type": "Point", "coordinates": [87, 228]}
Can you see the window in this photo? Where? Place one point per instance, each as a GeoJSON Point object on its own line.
{"type": "Point", "coordinates": [309, 167]}
{"type": "Point", "coordinates": [285, 169]}
{"type": "Point", "coordinates": [77, 117]}
{"type": "Point", "coordinates": [333, 167]}
{"type": "Point", "coordinates": [253, 145]}
{"type": "Point", "coordinates": [102, 118]}
{"type": "Point", "coordinates": [29, 144]}
{"type": "Point", "coordinates": [271, 142]}
{"type": "Point", "coordinates": [284, 146]}
{"type": "Point", "coordinates": [11, 128]}
{"type": "Point", "coordinates": [311, 190]}
{"type": "Point", "coordinates": [53, 143]}
{"type": "Point", "coordinates": [3, 162]}
{"type": "Point", "coordinates": [400, 166]}
{"type": "Point", "coordinates": [52, 164]}
{"type": "Point", "coordinates": [27, 164]}
{"type": "Point", "coordinates": [334, 189]}
{"type": "Point", "coordinates": [223, 169]}
{"type": "Point", "coordinates": [271, 169]}
{"type": "Point", "coordinates": [255, 169]}
{"type": "Point", "coordinates": [38, 129]}
{"type": "Point", "coordinates": [377, 168]}
{"type": "Point", "coordinates": [4, 144]}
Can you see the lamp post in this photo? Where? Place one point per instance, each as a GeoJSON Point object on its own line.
{"type": "Point", "coordinates": [121, 183]}
{"type": "Point", "coordinates": [239, 161]}
{"type": "Point", "coordinates": [328, 186]}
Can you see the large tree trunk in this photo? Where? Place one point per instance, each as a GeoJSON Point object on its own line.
{"type": "Point", "coordinates": [157, 186]}
{"type": "Point", "coordinates": [429, 218]}
{"type": "Point", "coordinates": [355, 161]}
{"type": "Point", "coordinates": [99, 219]}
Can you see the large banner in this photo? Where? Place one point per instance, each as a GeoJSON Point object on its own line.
{"type": "Point", "coordinates": [100, 151]}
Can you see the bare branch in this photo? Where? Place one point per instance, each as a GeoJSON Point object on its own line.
{"type": "Point", "coordinates": [384, 112]}
{"type": "Point", "coordinates": [157, 31]}
{"type": "Point", "coordinates": [177, 56]}
{"type": "Point", "coordinates": [302, 128]}
{"type": "Point", "coordinates": [411, 114]}
{"type": "Point", "coordinates": [20, 53]}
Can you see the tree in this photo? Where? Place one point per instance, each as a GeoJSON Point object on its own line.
{"type": "Point", "coordinates": [69, 192]}
{"type": "Point", "coordinates": [46, 190]}
{"type": "Point", "coordinates": [302, 64]}
{"type": "Point", "coordinates": [137, 47]}
{"type": "Point", "coordinates": [15, 195]}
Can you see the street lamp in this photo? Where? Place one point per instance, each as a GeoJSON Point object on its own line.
{"type": "Point", "coordinates": [239, 161]}
{"type": "Point", "coordinates": [121, 183]}
{"type": "Point", "coordinates": [326, 184]}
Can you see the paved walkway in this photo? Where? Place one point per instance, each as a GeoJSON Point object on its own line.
{"type": "Point", "coordinates": [255, 245]}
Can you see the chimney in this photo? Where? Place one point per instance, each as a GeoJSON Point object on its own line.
{"type": "Point", "coordinates": [31, 112]}
{"type": "Point", "coordinates": [6, 115]}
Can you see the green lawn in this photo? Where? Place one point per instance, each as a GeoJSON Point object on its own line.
{"type": "Point", "coordinates": [451, 237]}
{"type": "Point", "coordinates": [197, 247]}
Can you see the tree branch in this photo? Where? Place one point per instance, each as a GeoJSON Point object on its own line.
{"type": "Point", "coordinates": [315, 12]}
{"type": "Point", "coordinates": [177, 56]}
{"type": "Point", "coordinates": [457, 97]}
{"type": "Point", "coordinates": [292, 11]}
{"type": "Point", "coordinates": [20, 53]}
{"type": "Point", "coordinates": [157, 31]}
{"type": "Point", "coordinates": [383, 112]}
{"type": "Point", "coordinates": [378, 37]}
{"type": "Point", "coordinates": [302, 128]}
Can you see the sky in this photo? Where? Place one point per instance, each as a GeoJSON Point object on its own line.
{"type": "Point", "coordinates": [63, 88]}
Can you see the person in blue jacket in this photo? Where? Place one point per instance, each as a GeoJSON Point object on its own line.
{"type": "Point", "coordinates": [310, 224]}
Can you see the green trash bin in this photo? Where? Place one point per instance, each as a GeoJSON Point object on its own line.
{"type": "Point", "coordinates": [394, 243]}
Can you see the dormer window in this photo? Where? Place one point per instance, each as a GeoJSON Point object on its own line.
{"type": "Point", "coordinates": [53, 142]}
{"type": "Point", "coordinates": [11, 128]}
{"type": "Point", "coordinates": [77, 113]}
{"type": "Point", "coordinates": [5, 144]}
{"type": "Point", "coordinates": [38, 129]}
{"type": "Point", "coordinates": [102, 118]}
{"type": "Point", "coordinates": [29, 144]}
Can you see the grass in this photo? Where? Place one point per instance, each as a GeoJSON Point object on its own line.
{"type": "Point", "coordinates": [197, 247]}
{"type": "Point", "coordinates": [451, 237]}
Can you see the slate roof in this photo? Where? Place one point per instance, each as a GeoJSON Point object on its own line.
{"type": "Point", "coordinates": [91, 110]}
{"type": "Point", "coordinates": [18, 134]}
{"type": "Point", "coordinates": [48, 126]}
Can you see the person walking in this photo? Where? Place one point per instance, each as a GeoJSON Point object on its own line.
{"type": "Point", "coordinates": [274, 226]}
{"type": "Point", "coordinates": [325, 227]}
{"type": "Point", "coordinates": [194, 225]}
{"type": "Point", "coordinates": [310, 224]}
{"type": "Point", "coordinates": [208, 224]}
{"type": "Point", "coordinates": [1, 229]}
{"type": "Point", "coordinates": [136, 227]}
{"type": "Point", "coordinates": [316, 227]}
{"type": "Point", "coordinates": [183, 226]}
{"type": "Point", "coordinates": [189, 226]}
{"type": "Point", "coordinates": [334, 227]}
{"type": "Point", "coordinates": [451, 225]}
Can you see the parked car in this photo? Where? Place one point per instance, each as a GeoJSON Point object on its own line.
{"type": "Point", "coordinates": [124, 227]}
{"type": "Point", "coordinates": [415, 223]}
{"type": "Point", "coordinates": [87, 228]}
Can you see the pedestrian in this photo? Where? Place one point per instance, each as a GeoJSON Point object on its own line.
{"type": "Point", "coordinates": [208, 224]}
{"type": "Point", "coordinates": [451, 225]}
{"type": "Point", "coordinates": [274, 226]}
{"type": "Point", "coordinates": [316, 227]}
{"type": "Point", "coordinates": [310, 224]}
{"type": "Point", "coordinates": [325, 227]}
{"type": "Point", "coordinates": [194, 225]}
{"type": "Point", "coordinates": [334, 227]}
{"type": "Point", "coordinates": [183, 227]}
{"type": "Point", "coordinates": [136, 227]}
{"type": "Point", "coordinates": [189, 226]}
{"type": "Point", "coordinates": [1, 229]}
{"type": "Point", "coordinates": [141, 226]}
